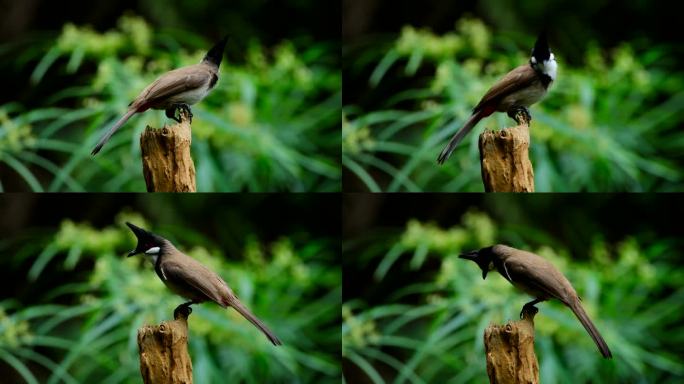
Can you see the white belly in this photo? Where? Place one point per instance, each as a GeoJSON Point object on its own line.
{"type": "Point", "coordinates": [524, 97]}
{"type": "Point", "coordinates": [189, 97]}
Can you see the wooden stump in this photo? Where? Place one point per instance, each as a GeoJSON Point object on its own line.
{"type": "Point", "coordinates": [505, 161]}
{"type": "Point", "coordinates": [510, 352]}
{"type": "Point", "coordinates": [166, 160]}
{"type": "Point", "coordinates": [164, 354]}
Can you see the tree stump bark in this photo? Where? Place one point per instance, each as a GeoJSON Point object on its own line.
{"type": "Point", "coordinates": [166, 160]}
{"type": "Point", "coordinates": [164, 354]}
{"type": "Point", "coordinates": [504, 159]}
{"type": "Point", "coordinates": [510, 352]}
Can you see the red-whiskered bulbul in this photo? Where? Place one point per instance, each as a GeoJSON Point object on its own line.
{"type": "Point", "coordinates": [537, 277]}
{"type": "Point", "coordinates": [177, 89]}
{"type": "Point", "coordinates": [188, 278]}
{"type": "Point", "coordinates": [520, 88]}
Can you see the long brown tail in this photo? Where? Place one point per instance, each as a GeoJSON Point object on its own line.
{"type": "Point", "coordinates": [235, 303]}
{"type": "Point", "coordinates": [458, 136]}
{"type": "Point", "coordinates": [577, 309]}
{"type": "Point", "coordinates": [113, 129]}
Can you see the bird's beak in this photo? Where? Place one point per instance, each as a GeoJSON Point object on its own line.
{"type": "Point", "coordinates": [132, 253]}
{"type": "Point", "coordinates": [475, 256]}
{"type": "Point", "coordinates": [472, 255]}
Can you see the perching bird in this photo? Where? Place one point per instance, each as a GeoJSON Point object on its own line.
{"type": "Point", "coordinates": [188, 278]}
{"type": "Point", "coordinates": [537, 277]}
{"type": "Point", "coordinates": [520, 88]}
{"type": "Point", "coordinates": [174, 90]}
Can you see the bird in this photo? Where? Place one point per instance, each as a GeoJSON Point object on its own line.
{"type": "Point", "coordinates": [190, 279]}
{"type": "Point", "coordinates": [175, 90]}
{"type": "Point", "coordinates": [513, 93]}
{"type": "Point", "coordinates": [537, 277]}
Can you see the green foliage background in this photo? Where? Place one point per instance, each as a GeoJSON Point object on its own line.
{"type": "Point", "coordinates": [613, 123]}
{"type": "Point", "coordinates": [271, 124]}
{"type": "Point", "coordinates": [422, 318]}
{"type": "Point", "coordinates": [83, 330]}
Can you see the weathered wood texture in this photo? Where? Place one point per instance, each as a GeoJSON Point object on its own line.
{"type": "Point", "coordinates": [510, 352]}
{"type": "Point", "coordinates": [504, 159]}
{"type": "Point", "coordinates": [166, 160]}
{"type": "Point", "coordinates": [164, 354]}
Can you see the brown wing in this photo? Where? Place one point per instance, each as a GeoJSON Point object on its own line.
{"type": "Point", "coordinates": [174, 82]}
{"type": "Point", "coordinates": [195, 276]}
{"type": "Point", "coordinates": [512, 81]}
{"type": "Point", "coordinates": [192, 274]}
{"type": "Point", "coordinates": [539, 274]}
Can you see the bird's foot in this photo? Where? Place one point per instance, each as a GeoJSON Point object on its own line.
{"type": "Point", "coordinates": [185, 108]}
{"type": "Point", "coordinates": [171, 113]}
{"type": "Point", "coordinates": [520, 114]}
{"type": "Point", "coordinates": [528, 309]}
{"type": "Point", "coordinates": [183, 310]}
{"type": "Point", "coordinates": [180, 108]}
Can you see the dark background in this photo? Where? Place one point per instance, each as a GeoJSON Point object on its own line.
{"type": "Point", "coordinates": [220, 216]}
{"type": "Point", "coordinates": [571, 26]}
{"type": "Point", "coordinates": [244, 21]}
{"type": "Point", "coordinates": [576, 21]}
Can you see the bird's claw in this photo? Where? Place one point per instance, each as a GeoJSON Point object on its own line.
{"type": "Point", "coordinates": [528, 308]}
{"type": "Point", "coordinates": [183, 310]}
{"type": "Point", "coordinates": [171, 112]}
{"type": "Point", "coordinates": [520, 114]}
{"type": "Point", "coordinates": [186, 108]}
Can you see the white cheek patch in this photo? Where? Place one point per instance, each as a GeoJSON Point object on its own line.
{"type": "Point", "coordinates": [152, 254]}
{"type": "Point", "coordinates": [152, 251]}
{"type": "Point", "coordinates": [549, 67]}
